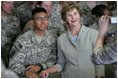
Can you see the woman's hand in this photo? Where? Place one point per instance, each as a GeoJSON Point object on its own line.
{"type": "Point", "coordinates": [44, 74]}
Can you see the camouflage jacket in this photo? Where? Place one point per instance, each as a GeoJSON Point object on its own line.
{"type": "Point", "coordinates": [9, 30]}
{"type": "Point", "coordinates": [24, 13]}
{"type": "Point", "coordinates": [105, 55]}
{"type": "Point", "coordinates": [110, 36]}
{"type": "Point", "coordinates": [27, 51]}
{"type": "Point", "coordinates": [11, 27]}
{"type": "Point", "coordinates": [4, 39]}
{"type": "Point", "coordinates": [55, 22]}
{"type": "Point", "coordinates": [87, 18]}
{"type": "Point", "coordinates": [18, 3]}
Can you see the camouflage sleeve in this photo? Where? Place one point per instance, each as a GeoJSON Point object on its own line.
{"type": "Point", "coordinates": [56, 15]}
{"type": "Point", "coordinates": [52, 57]}
{"type": "Point", "coordinates": [15, 48]}
{"type": "Point", "coordinates": [106, 55]}
{"type": "Point", "coordinates": [16, 63]}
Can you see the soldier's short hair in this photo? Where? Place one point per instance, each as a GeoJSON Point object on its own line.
{"type": "Point", "coordinates": [38, 10]}
{"type": "Point", "coordinates": [98, 10]}
{"type": "Point", "coordinates": [67, 8]}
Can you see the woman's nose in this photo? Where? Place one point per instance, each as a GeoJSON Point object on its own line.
{"type": "Point", "coordinates": [72, 16]}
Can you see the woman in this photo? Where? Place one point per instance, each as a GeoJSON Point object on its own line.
{"type": "Point", "coordinates": [75, 48]}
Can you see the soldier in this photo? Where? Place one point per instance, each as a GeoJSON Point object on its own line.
{"type": "Point", "coordinates": [24, 11]}
{"type": "Point", "coordinates": [9, 29]}
{"type": "Point", "coordinates": [98, 11]}
{"type": "Point", "coordinates": [103, 54]}
{"type": "Point", "coordinates": [55, 22]}
{"type": "Point", "coordinates": [86, 7]}
{"type": "Point", "coordinates": [56, 26]}
{"type": "Point", "coordinates": [34, 50]}
{"type": "Point", "coordinates": [110, 37]}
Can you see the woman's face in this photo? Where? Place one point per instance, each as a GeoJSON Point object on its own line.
{"type": "Point", "coordinates": [73, 17]}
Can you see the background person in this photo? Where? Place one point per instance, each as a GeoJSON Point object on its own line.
{"type": "Point", "coordinates": [110, 37]}
{"type": "Point", "coordinates": [103, 54]}
{"type": "Point", "coordinates": [10, 28]}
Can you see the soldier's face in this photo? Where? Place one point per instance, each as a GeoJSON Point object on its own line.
{"type": "Point", "coordinates": [40, 21]}
{"type": "Point", "coordinates": [107, 12]}
{"type": "Point", "coordinates": [7, 6]}
{"type": "Point", "coordinates": [48, 6]}
{"type": "Point", "coordinates": [73, 17]}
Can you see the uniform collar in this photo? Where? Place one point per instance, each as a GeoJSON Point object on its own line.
{"type": "Point", "coordinates": [33, 38]}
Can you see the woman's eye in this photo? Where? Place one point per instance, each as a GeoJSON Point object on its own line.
{"type": "Point", "coordinates": [75, 13]}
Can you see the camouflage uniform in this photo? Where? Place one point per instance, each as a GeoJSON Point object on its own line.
{"type": "Point", "coordinates": [107, 55]}
{"type": "Point", "coordinates": [55, 23]}
{"type": "Point", "coordinates": [110, 34]}
{"type": "Point", "coordinates": [4, 38]}
{"type": "Point", "coordinates": [9, 30]}
{"type": "Point", "coordinates": [110, 38]}
{"type": "Point", "coordinates": [113, 7]}
{"type": "Point", "coordinates": [24, 13]}
{"type": "Point", "coordinates": [87, 18]}
{"type": "Point", "coordinates": [27, 50]}
{"type": "Point", "coordinates": [18, 3]}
